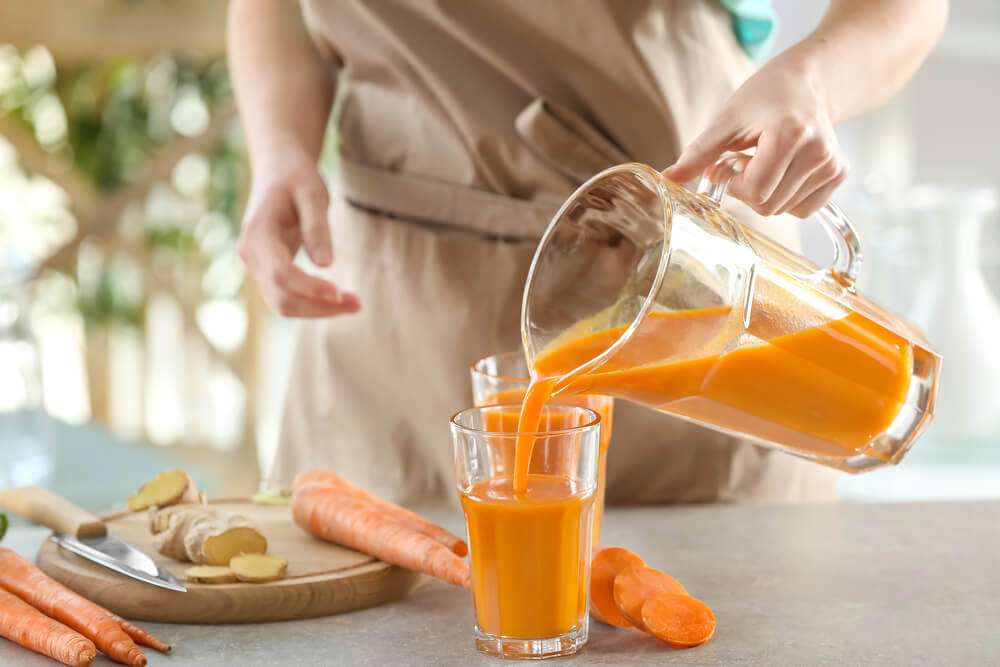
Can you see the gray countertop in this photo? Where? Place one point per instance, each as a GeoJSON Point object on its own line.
{"type": "Point", "coordinates": [900, 584]}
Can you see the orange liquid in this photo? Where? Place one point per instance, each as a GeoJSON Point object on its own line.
{"type": "Point", "coordinates": [529, 555]}
{"type": "Point", "coordinates": [824, 391]}
{"type": "Point", "coordinates": [507, 422]}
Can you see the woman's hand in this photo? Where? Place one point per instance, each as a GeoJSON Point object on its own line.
{"type": "Point", "coordinates": [860, 54]}
{"type": "Point", "coordinates": [287, 210]}
{"type": "Point", "coordinates": [284, 89]}
{"type": "Point", "coordinates": [797, 164]}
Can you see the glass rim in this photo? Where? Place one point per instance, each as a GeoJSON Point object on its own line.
{"type": "Point", "coordinates": [666, 199]}
{"type": "Point", "coordinates": [474, 367]}
{"type": "Point", "coordinates": [595, 421]}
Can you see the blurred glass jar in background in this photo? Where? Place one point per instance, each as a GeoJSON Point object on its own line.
{"type": "Point", "coordinates": [954, 305]}
{"type": "Point", "coordinates": [26, 455]}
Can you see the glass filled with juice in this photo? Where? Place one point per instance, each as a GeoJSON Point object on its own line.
{"type": "Point", "coordinates": [529, 527]}
{"type": "Point", "coordinates": [502, 379]}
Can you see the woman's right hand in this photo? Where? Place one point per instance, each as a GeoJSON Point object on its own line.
{"type": "Point", "coordinates": [287, 209]}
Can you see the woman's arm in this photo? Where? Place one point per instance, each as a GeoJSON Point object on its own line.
{"type": "Point", "coordinates": [284, 90]}
{"type": "Point", "coordinates": [861, 54]}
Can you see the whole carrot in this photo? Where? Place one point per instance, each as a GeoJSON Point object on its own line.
{"type": "Point", "coordinates": [25, 625]}
{"type": "Point", "coordinates": [401, 514]}
{"type": "Point", "coordinates": [141, 637]}
{"type": "Point", "coordinates": [330, 513]}
{"type": "Point", "coordinates": [21, 578]}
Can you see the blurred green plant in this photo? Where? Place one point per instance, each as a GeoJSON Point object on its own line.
{"type": "Point", "coordinates": [104, 120]}
{"type": "Point", "coordinates": [107, 293]}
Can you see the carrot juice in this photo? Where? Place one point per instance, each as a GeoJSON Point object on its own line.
{"type": "Point", "coordinates": [822, 391]}
{"type": "Point", "coordinates": [530, 551]}
{"type": "Point", "coordinates": [507, 421]}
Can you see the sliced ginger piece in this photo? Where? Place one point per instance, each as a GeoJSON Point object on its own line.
{"type": "Point", "coordinates": [210, 574]}
{"type": "Point", "coordinates": [205, 536]}
{"type": "Point", "coordinates": [259, 568]}
{"type": "Point", "coordinates": [636, 585]}
{"type": "Point", "coordinates": [159, 520]}
{"type": "Point", "coordinates": [220, 548]}
{"type": "Point", "coordinates": [609, 563]}
{"type": "Point", "coordinates": [170, 487]}
{"type": "Point", "coordinates": [680, 621]}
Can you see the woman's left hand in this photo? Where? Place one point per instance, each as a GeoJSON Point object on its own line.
{"type": "Point", "coordinates": [797, 163]}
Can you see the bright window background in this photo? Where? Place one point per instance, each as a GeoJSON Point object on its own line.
{"type": "Point", "coordinates": [941, 132]}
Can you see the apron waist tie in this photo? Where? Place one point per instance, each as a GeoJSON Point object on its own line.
{"type": "Point", "coordinates": [436, 203]}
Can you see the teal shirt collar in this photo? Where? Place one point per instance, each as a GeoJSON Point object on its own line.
{"type": "Point", "coordinates": [754, 23]}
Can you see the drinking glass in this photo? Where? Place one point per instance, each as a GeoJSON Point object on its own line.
{"type": "Point", "coordinates": [503, 379]}
{"type": "Point", "coordinates": [530, 550]}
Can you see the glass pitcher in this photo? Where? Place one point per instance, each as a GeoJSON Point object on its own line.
{"type": "Point", "coordinates": [643, 290]}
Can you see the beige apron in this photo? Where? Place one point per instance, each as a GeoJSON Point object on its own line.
{"type": "Point", "coordinates": [463, 124]}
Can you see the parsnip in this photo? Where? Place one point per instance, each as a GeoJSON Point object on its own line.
{"type": "Point", "coordinates": [259, 568]}
{"type": "Point", "coordinates": [201, 535]}
{"type": "Point", "coordinates": [170, 487]}
{"type": "Point", "coordinates": [210, 574]}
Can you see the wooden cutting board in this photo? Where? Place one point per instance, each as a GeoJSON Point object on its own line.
{"type": "Point", "coordinates": [322, 579]}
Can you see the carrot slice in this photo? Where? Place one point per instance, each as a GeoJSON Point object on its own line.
{"type": "Point", "coordinates": [636, 585]}
{"type": "Point", "coordinates": [679, 620]}
{"type": "Point", "coordinates": [607, 564]}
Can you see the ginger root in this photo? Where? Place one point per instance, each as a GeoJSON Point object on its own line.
{"type": "Point", "coordinates": [201, 535]}
{"type": "Point", "coordinates": [210, 574]}
{"type": "Point", "coordinates": [170, 487]}
{"type": "Point", "coordinates": [259, 568]}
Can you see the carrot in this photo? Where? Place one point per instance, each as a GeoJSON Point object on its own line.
{"type": "Point", "coordinates": [607, 564]}
{"type": "Point", "coordinates": [679, 620]}
{"type": "Point", "coordinates": [21, 578]}
{"type": "Point", "coordinates": [330, 513]}
{"type": "Point", "coordinates": [401, 514]}
{"type": "Point", "coordinates": [23, 624]}
{"type": "Point", "coordinates": [141, 637]}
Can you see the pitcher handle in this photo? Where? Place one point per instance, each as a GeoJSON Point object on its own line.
{"type": "Point", "coordinates": [846, 243]}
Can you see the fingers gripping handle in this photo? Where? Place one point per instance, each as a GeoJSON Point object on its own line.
{"type": "Point", "coordinates": [846, 243]}
{"type": "Point", "coordinates": [716, 178]}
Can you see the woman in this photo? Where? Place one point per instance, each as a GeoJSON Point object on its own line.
{"type": "Point", "coordinates": [462, 125]}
